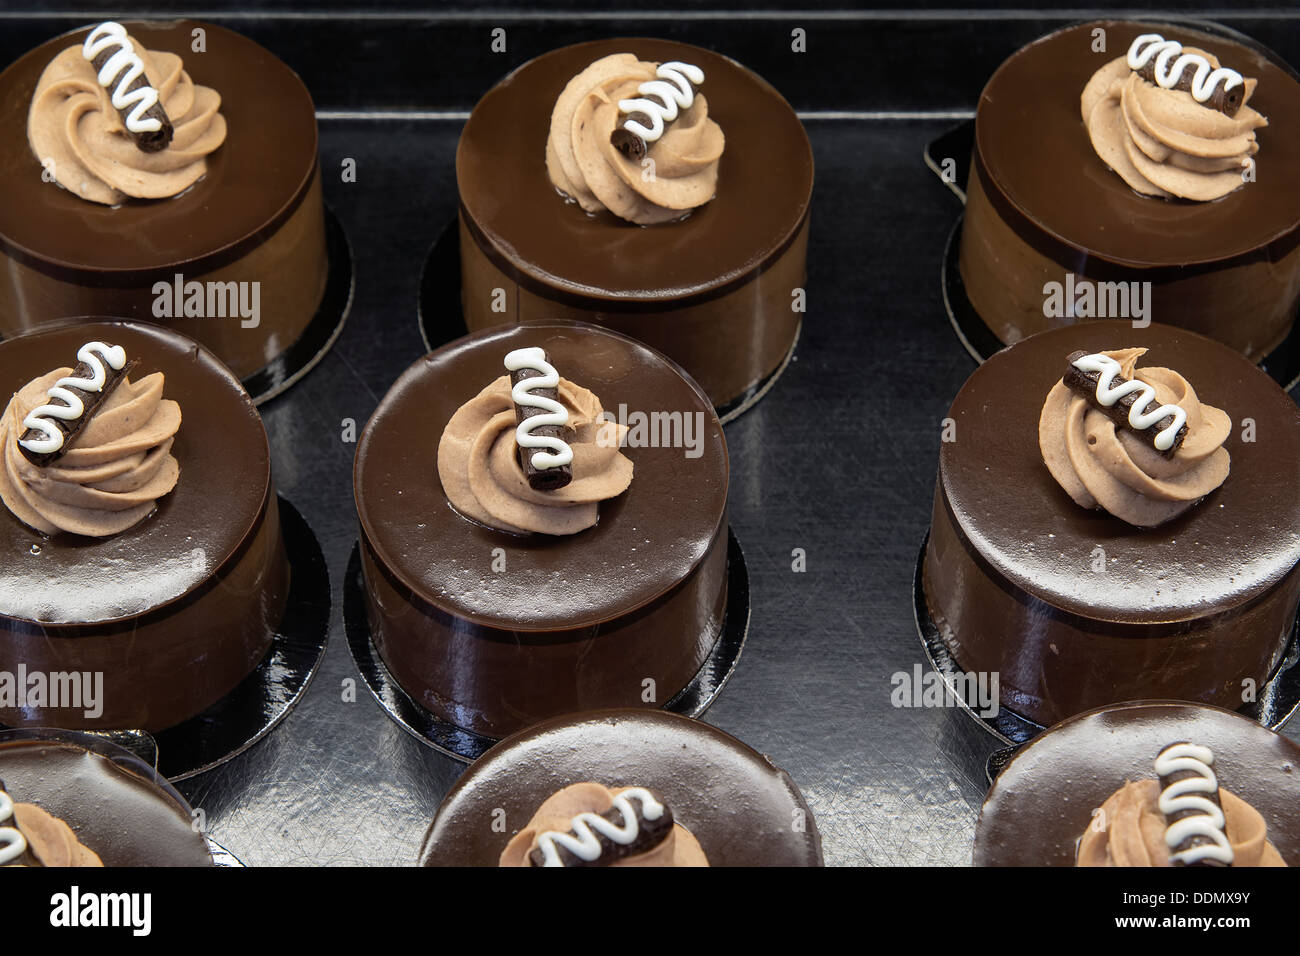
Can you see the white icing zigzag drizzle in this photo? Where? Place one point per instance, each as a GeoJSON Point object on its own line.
{"type": "Point", "coordinates": [94, 354]}
{"type": "Point", "coordinates": [583, 842]}
{"type": "Point", "coordinates": [673, 87]}
{"type": "Point", "coordinates": [553, 413]}
{"type": "Point", "coordinates": [1138, 416]}
{"type": "Point", "coordinates": [12, 843]}
{"type": "Point", "coordinates": [1207, 819]}
{"type": "Point", "coordinates": [125, 65]}
{"type": "Point", "coordinates": [1150, 45]}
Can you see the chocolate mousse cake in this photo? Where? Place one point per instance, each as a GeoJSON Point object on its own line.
{"type": "Point", "coordinates": [70, 800]}
{"type": "Point", "coordinates": [648, 186]}
{"type": "Point", "coordinates": [144, 568]}
{"type": "Point", "coordinates": [1114, 519]}
{"type": "Point", "coordinates": [543, 515]}
{"type": "Point", "coordinates": [196, 204]}
{"type": "Point", "coordinates": [623, 788]}
{"type": "Point", "coordinates": [1113, 154]}
{"type": "Point", "coordinates": [1150, 784]}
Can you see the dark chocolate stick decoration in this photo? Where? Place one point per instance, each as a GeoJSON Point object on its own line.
{"type": "Point", "coordinates": [1164, 63]}
{"type": "Point", "coordinates": [120, 70]}
{"type": "Point", "coordinates": [1127, 401]}
{"type": "Point", "coordinates": [1189, 798]}
{"type": "Point", "coordinates": [637, 822]}
{"type": "Point", "coordinates": [73, 401]}
{"type": "Point", "coordinates": [13, 845]}
{"type": "Point", "coordinates": [544, 455]}
{"type": "Point", "coordinates": [657, 106]}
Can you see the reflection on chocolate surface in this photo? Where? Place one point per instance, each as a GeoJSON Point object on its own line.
{"type": "Point", "coordinates": [124, 818]}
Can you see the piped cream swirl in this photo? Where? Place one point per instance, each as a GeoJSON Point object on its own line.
{"type": "Point", "coordinates": [1130, 830]}
{"type": "Point", "coordinates": [478, 464]}
{"type": "Point", "coordinates": [29, 835]}
{"type": "Point", "coordinates": [1163, 142]}
{"type": "Point", "coordinates": [1103, 466]}
{"type": "Point", "coordinates": [75, 131]}
{"type": "Point", "coordinates": [583, 800]}
{"type": "Point", "coordinates": [113, 472]}
{"type": "Point", "coordinates": [679, 171]}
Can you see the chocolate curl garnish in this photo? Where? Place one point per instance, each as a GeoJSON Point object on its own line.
{"type": "Point", "coordinates": [1186, 768]}
{"type": "Point", "coordinates": [649, 834]}
{"type": "Point", "coordinates": [539, 479]}
{"type": "Point", "coordinates": [657, 104]}
{"type": "Point", "coordinates": [1226, 101]}
{"type": "Point", "coordinates": [136, 101]}
{"type": "Point", "coordinates": [1086, 383]}
{"type": "Point", "coordinates": [628, 143]}
{"type": "Point", "coordinates": [66, 394]}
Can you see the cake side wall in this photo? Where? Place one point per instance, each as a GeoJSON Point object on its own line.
{"type": "Point", "coordinates": [289, 267]}
{"type": "Point", "coordinates": [1052, 665]}
{"type": "Point", "coordinates": [497, 681]}
{"type": "Point", "coordinates": [728, 344]}
{"type": "Point", "coordinates": [1248, 303]}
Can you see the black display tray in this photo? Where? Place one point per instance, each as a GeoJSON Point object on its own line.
{"type": "Point", "coordinates": [836, 462]}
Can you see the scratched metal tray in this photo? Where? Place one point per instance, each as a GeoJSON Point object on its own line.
{"type": "Point", "coordinates": [834, 468]}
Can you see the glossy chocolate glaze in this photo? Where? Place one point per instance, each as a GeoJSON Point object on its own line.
{"type": "Point", "coordinates": [681, 287]}
{"type": "Point", "coordinates": [256, 216]}
{"type": "Point", "coordinates": [1041, 202]}
{"type": "Point", "coordinates": [180, 608]}
{"type": "Point", "coordinates": [741, 808]}
{"type": "Point", "coordinates": [1042, 802]}
{"type": "Point", "coordinates": [573, 622]}
{"type": "Point", "coordinates": [1187, 610]}
{"type": "Point", "coordinates": [126, 819]}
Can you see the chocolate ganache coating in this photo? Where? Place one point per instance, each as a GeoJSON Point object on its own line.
{"type": "Point", "coordinates": [123, 817]}
{"type": "Point", "coordinates": [176, 610]}
{"type": "Point", "coordinates": [493, 630]}
{"type": "Point", "coordinates": [255, 216]}
{"type": "Point", "coordinates": [1041, 203]}
{"type": "Point", "coordinates": [743, 810]}
{"type": "Point", "coordinates": [1043, 800]}
{"type": "Point", "coordinates": [1075, 608]}
{"type": "Point", "coordinates": [712, 291]}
